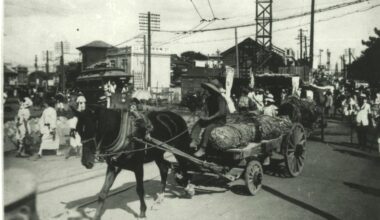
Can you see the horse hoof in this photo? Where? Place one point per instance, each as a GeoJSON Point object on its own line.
{"type": "Point", "coordinates": [142, 215]}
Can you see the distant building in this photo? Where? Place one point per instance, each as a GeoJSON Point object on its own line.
{"type": "Point", "coordinates": [99, 54]}
{"type": "Point", "coordinates": [22, 75]}
{"type": "Point", "coordinates": [191, 81]}
{"type": "Point", "coordinates": [10, 76]}
{"type": "Point", "coordinates": [132, 60]}
{"type": "Point", "coordinates": [93, 52]}
{"type": "Point", "coordinates": [248, 50]}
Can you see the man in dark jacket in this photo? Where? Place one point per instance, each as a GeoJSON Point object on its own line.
{"type": "Point", "coordinates": [214, 115]}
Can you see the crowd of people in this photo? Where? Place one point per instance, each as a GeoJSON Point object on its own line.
{"type": "Point", "coordinates": [57, 108]}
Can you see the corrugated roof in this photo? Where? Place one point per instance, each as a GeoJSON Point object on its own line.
{"type": "Point", "coordinates": [96, 44]}
{"type": "Point", "coordinates": [9, 70]}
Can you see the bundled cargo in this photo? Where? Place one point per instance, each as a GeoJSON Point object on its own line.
{"type": "Point", "coordinates": [299, 110]}
{"type": "Point", "coordinates": [244, 129]}
{"type": "Point", "coordinates": [232, 136]}
{"type": "Point", "coordinates": [269, 127]}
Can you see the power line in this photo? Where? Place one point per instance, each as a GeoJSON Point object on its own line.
{"type": "Point", "coordinates": [334, 7]}
{"type": "Point", "coordinates": [212, 11]}
{"type": "Point", "coordinates": [291, 27]}
{"type": "Point", "coordinates": [196, 9]}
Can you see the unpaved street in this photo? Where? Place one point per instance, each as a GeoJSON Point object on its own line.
{"type": "Point", "coordinates": [338, 182]}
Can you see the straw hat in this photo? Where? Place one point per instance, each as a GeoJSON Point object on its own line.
{"type": "Point", "coordinates": [213, 85]}
{"type": "Point", "coordinates": [81, 99]}
{"type": "Point", "coordinates": [269, 98]}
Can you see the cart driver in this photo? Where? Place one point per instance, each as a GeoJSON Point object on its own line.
{"type": "Point", "coordinates": [214, 115]}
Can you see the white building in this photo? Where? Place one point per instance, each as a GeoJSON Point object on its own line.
{"type": "Point", "coordinates": [132, 60]}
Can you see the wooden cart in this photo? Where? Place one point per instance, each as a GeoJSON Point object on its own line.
{"type": "Point", "coordinates": [245, 162]}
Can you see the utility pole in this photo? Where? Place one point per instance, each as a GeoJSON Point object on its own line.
{"type": "Point", "coordinates": [145, 82]}
{"type": "Point", "coordinates": [305, 44]}
{"type": "Point", "coordinates": [328, 53]}
{"type": "Point", "coordinates": [349, 56]}
{"type": "Point", "coordinates": [237, 53]}
{"type": "Point", "coordinates": [300, 38]}
{"type": "Point", "coordinates": [36, 62]}
{"type": "Point", "coordinates": [320, 57]}
{"type": "Point", "coordinates": [62, 64]}
{"type": "Point", "coordinates": [312, 34]}
{"type": "Point", "coordinates": [149, 51]}
{"type": "Point", "coordinates": [47, 62]}
{"type": "Point", "coordinates": [343, 60]}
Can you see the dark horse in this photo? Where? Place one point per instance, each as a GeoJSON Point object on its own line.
{"type": "Point", "coordinates": [99, 129]}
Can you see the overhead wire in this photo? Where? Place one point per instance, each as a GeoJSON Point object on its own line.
{"type": "Point", "coordinates": [212, 11]}
{"type": "Point", "coordinates": [196, 9]}
{"type": "Point", "coordinates": [329, 8]}
{"type": "Point", "coordinates": [294, 26]}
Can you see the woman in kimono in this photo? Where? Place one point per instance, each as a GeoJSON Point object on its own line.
{"type": "Point", "coordinates": [23, 127]}
{"type": "Point", "coordinates": [48, 125]}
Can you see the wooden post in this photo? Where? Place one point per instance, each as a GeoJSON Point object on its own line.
{"type": "Point", "coordinates": [237, 54]}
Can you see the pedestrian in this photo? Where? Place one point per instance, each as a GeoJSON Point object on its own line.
{"type": "Point", "coordinates": [270, 108]}
{"type": "Point", "coordinates": [75, 141]}
{"type": "Point", "coordinates": [363, 121]}
{"type": "Point", "coordinates": [243, 104]}
{"type": "Point", "coordinates": [328, 103]}
{"type": "Point", "coordinates": [48, 125]}
{"type": "Point", "coordinates": [23, 129]}
{"type": "Point", "coordinates": [214, 115]}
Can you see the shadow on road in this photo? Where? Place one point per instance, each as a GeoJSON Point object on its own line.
{"type": "Point", "coordinates": [364, 189]}
{"type": "Point", "coordinates": [358, 154]}
{"type": "Point", "coordinates": [299, 203]}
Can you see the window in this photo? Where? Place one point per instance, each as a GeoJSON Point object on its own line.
{"type": "Point", "coordinates": [113, 63]}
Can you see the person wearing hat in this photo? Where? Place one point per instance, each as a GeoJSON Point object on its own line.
{"type": "Point", "coordinates": [48, 125]}
{"type": "Point", "coordinates": [270, 108]}
{"type": "Point", "coordinates": [215, 115]}
{"type": "Point", "coordinates": [75, 140]}
{"type": "Point", "coordinates": [23, 127]}
{"type": "Point", "coordinates": [363, 118]}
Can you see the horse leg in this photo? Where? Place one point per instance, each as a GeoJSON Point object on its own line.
{"type": "Point", "coordinates": [139, 174]}
{"type": "Point", "coordinates": [111, 175]}
{"type": "Point", "coordinates": [163, 166]}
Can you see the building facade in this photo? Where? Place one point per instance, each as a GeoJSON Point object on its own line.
{"type": "Point", "coordinates": [248, 52]}
{"type": "Point", "coordinates": [132, 60]}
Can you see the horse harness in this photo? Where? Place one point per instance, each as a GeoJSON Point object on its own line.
{"type": "Point", "coordinates": [147, 144]}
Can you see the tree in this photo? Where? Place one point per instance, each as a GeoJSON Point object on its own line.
{"type": "Point", "coordinates": [367, 66]}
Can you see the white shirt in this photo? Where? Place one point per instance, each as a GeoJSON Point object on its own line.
{"type": "Point", "coordinates": [49, 116]}
{"type": "Point", "coordinates": [362, 116]}
{"type": "Point", "coordinates": [270, 110]}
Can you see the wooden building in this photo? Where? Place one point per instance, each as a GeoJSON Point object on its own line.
{"type": "Point", "coordinates": [248, 50]}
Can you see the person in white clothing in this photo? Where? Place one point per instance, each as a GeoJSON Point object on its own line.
{"type": "Point", "coordinates": [48, 125]}
{"type": "Point", "coordinates": [270, 109]}
{"type": "Point", "coordinates": [23, 127]}
{"type": "Point", "coordinates": [362, 121]}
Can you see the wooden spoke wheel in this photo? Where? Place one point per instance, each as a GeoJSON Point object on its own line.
{"type": "Point", "coordinates": [253, 176]}
{"type": "Point", "coordinates": [294, 150]}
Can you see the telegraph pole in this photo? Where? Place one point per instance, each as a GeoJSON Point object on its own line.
{"type": "Point", "coordinates": [301, 38]}
{"type": "Point", "coordinates": [47, 62]}
{"type": "Point", "coordinates": [237, 54]}
{"type": "Point", "coordinates": [320, 57]}
{"type": "Point", "coordinates": [145, 82]}
{"type": "Point", "coordinates": [305, 44]}
{"type": "Point", "coordinates": [312, 34]}
{"type": "Point", "coordinates": [63, 76]}
{"type": "Point", "coordinates": [149, 51]}
{"type": "Point", "coordinates": [349, 56]}
{"type": "Point", "coordinates": [36, 62]}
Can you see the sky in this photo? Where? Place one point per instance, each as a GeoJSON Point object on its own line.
{"type": "Point", "coordinates": [34, 26]}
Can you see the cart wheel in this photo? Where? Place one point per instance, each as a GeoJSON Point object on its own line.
{"type": "Point", "coordinates": [294, 152]}
{"type": "Point", "coordinates": [253, 176]}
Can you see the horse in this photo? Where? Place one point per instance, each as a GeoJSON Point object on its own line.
{"type": "Point", "coordinates": [99, 129]}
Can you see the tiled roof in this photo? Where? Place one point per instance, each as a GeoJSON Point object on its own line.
{"type": "Point", "coordinates": [96, 44]}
